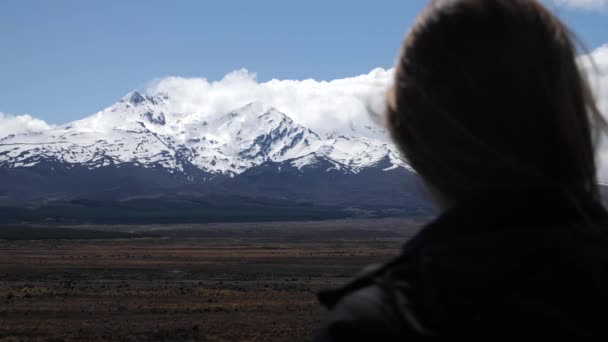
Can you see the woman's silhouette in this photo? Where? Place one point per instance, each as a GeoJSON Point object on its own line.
{"type": "Point", "coordinates": [491, 109]}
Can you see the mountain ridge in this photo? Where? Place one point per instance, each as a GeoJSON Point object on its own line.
{"type": "Point", "coordinates": [141, 129]}
{"type": "Point", "coordinates": [140, 149]}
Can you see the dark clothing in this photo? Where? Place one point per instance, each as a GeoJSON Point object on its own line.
{"type": "Point", "coordinates": [532, 264]}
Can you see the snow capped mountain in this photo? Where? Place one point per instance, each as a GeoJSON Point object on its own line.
{"type": "Point", "coordinates": [142, 130]}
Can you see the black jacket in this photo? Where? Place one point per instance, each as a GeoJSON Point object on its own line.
{"type": "Point", "coordinates": [531, 264]}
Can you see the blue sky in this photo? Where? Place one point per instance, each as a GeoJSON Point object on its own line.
{"type": "Point", "coordinates": [63, 59]}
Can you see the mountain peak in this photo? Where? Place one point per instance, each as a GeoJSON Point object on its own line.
{"type": "Point", "coordinates": [134, 98]}
{"type": "Point", "coordinates": [255, 106]}
{"type": "Point", "coordinates": [161, 96]}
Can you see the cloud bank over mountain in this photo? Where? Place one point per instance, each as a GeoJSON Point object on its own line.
{"type": "Point", "coordinates": [15, 124]}
{"type": "Point", "coordinates": [324, 106]}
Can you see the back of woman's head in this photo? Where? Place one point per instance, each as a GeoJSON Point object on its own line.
{"type": "Point", "coordinates": [488, 97]}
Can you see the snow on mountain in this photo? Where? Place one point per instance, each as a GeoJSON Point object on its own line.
{"type": "Point", "coordinates": [143, 130]}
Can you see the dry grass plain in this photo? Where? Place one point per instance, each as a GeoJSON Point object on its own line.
{"type": "Point", "coordinates": [225, 282]}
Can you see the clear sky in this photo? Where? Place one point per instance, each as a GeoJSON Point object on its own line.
{"type": "Point", "coordinates": [63, 59]}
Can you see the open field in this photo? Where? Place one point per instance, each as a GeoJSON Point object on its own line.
{"type": "Point", "coordinates": [218, 282]}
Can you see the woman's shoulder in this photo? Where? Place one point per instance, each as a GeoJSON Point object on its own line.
{"type": "Point", "coordinates": [370, 307]}
{"type": "Point", "coordinates": [361, 315]}
{"type": "Point", "coordinates": [473, 284]}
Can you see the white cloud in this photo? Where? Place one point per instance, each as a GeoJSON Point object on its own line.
{"type": "Point", "coordinates": [583, 4]}
{"type": "Point", "coordinates": [595, 66]}
{"type": "Point", "coordinates": [323, 106]}
{"type": "Point", "coordinates": [15, 124]}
